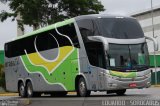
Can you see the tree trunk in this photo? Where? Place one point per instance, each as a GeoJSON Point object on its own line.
{"type": "Point", "coordinates": [35, 27]}
{"type": "Point", "coordinates": [20, 30]}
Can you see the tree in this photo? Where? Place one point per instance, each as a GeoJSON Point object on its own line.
{"type": "Point", "coordinates": [39, 13]}
{"type": "Point", "coordinates": [81, 7]}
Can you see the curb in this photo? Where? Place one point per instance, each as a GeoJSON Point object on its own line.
{"type": "Point", "coordinates": [72, 93]}
{"type": "Point", "coordinates": [156, 85]}
{"type": "Point", "coordinates": [8, 94]}
{"type": "Point", "coordinates": [16, 94]}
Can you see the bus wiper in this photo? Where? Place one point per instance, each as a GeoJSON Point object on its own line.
{"type": "Point", "coordinates": [140, 66]}
{"type": "Point", "coordinates": [119, 68]}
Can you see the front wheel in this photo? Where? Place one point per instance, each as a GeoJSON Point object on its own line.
{"type": "Point", "coordinates": [82, 88]}
{"type": "Point", "coordinates": [121, 92]}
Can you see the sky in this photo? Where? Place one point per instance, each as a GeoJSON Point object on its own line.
{"type": "Point", "coordinates": [125, 7]}
{"type": "Point", "coordinates": [8, 29]}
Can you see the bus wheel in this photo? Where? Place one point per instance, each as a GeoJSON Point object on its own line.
{"type": "Point", "coordinates": [82, 88]}
{"type": "Point", "coordinates": [21, 90]}
{"type": "Point", "coordinates": [121, 92]}
{"type": "Point", "coordinates": [29, 89]}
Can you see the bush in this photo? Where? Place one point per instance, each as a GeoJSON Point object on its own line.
{"type": "Point", "coordinates": [2, 76]}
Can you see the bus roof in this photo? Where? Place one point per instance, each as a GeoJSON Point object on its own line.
{"type": "Point", "coordinates": [95, 16]}
{"type": "Point", "coordinates": [58, 24]}
{"type": "Point", "coordinates": [68, 21]}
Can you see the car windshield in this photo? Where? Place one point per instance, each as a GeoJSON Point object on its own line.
{"type": "Point", "coordinates": [128, 57]}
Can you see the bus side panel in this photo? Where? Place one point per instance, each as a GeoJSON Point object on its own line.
{"type": "Point", "coordinates": [51, 76]}
{"type": "Point", "coordinates": [39, 81]}
{"type": "Point", "coordinates": [84, 71]}
{"type": "Point", "coordinates": [11, 73]}
{"type": "Point", "coordinates": [65, 75]}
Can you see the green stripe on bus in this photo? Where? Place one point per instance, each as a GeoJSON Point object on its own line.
{"type": "Point", "coordinates": [62, 74]}
{"type": "Point", "coordinates": [123, 74]}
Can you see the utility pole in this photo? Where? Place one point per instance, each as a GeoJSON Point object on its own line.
{"type": "Point", "coordinates": [152, 18]}
{"type": "Point", "coordinates": [155, 62]}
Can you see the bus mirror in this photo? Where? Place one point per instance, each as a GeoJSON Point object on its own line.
{"type": "Point", "coordinates": [100, 39]}
{"type": "Point", "coordinates": [154, 42]}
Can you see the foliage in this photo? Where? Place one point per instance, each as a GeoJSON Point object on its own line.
{"type": "Point", "coordinates": [43, 12]}
{"type": "Point", "coordinates": [2, 76]}
{"type": "Point", "coordinates": [81, 7]}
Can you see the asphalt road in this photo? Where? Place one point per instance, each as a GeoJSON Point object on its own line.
{"type": "Point", "coordinates": [134, 97]}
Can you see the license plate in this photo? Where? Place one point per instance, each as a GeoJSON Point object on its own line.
{"type": "Point", "coordinates": [132, 85]}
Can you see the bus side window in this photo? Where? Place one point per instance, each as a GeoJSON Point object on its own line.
{"type": "Point", "coordinates": [70, 31]}
{"type": "Point", "coordinates": [94, 50]}
{"type": "Point", "coordinates": [11, 49]}
{"type": "Point", "coordinates": [95, 54]}
{"type": "Point", "coordinates": [86, 28]}
{"type": "Point", "coordinates": [7, 50]}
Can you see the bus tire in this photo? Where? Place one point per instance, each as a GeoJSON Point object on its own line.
{"type": "Point", "coordinates": [82, 88]}
{"type": "Point", "coordinates": [21, 90]}
{"type": "Point", "coordinates": [120, 92]}
{"type": "Point", "coordinates": [29, 89]}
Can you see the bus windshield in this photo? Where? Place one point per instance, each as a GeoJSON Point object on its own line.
{"type": "Point", "coordinates": [128, 57]}
{"type": "Point", "coordinates": [120, 28]}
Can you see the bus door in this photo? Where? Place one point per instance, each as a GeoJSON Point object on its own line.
{"type": "Point", "coordinates": [96, 58]}
{"type": "Point", "coordinates": [96, 78]}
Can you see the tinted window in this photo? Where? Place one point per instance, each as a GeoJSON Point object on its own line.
{"type": "Point", "coordinates": [70, 31]}
{"type": "Point", "coordinates": [94, 50]}
{"type": "Point", "coordinates": [43, 41]}
{"type": "Point", "coordinates": [121, 28]}
{"type": "Point", "coordinates": [95, 54]}
{"type": "Point", "coordinates": [87, 28]}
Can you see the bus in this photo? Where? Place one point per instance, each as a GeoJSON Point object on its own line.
{"type": "Point", "coordinates": [82, 54]}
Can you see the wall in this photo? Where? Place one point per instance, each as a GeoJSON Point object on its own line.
{"type": "Point", "coordinates": [1, 57]}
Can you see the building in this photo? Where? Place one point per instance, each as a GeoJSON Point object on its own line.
{"type": "Point", "coordinates": [145, 19]}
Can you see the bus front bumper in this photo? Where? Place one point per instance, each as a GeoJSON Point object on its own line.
{"type": "Point", "coordinates": [115, 83]}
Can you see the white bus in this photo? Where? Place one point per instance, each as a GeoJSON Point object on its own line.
{"type": "Point", "coordinates": [82, 54]}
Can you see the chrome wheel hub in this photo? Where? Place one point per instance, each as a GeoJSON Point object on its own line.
{"type": "Point", "coordinates": [21, 90]}
{"type": "Point", "coordinates": [82, 87]}
{"type": "Point", "coordinates": [29, 91]}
